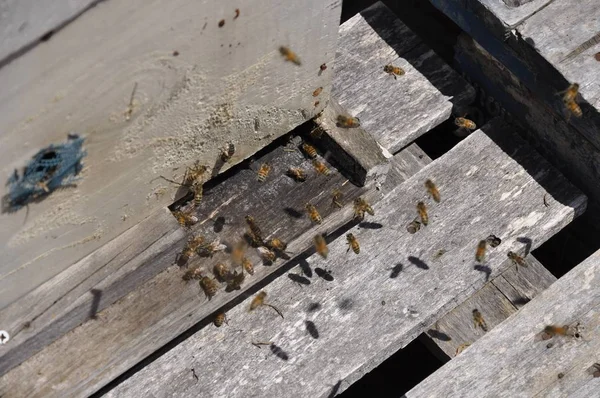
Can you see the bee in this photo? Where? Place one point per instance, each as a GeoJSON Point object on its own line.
{"type": "Point", "coordinates": [222, 272]}
{"type": "Point", "coordinates": [195, 273]}
{"type": "Point", "coordinates": [220, 318]}
{"type": "Point", "coordinates": [465, 123]}
{"type": "Point", "coordinates": [347, 121]}
{"type": "Point", "coordinates": [209, 249]}
{"type": "Point", "coordinates": [317, 103]}
{"type": "Point", "coordinates": [237, 13]}
{"type": "Point", "coordinates": [413, 227]}
{"type": "Point", "coordinates": [267, 255]}
{"type": "Point", "coordinates": [277, 244]}
{"type": "Point", "coordinates": [461, 348]}
{"type": "Point", "coordinates": [309, 150]}
{"type": "Point", "coordinates": [393, 70]}
{"type": "Point", "coordinates": [185, 219]}
{"type": "Point", "coordinates": [190, 248]}
{"type": "Point", "coordinates": [478, 320]}
{"type": "Point", "coordinates": [297, 174]}
{"type": "Point", "coordinates": [313, 214]}
{"type": "Point", "coordinates": [574, 108]}
{"type": "Point", "coordinates": [238, 252]}
{"type": "Point", "coordinates": [253, 226]}
{"type": "Point", "coordinates": [209, 286]}
{"type": "Point", "coordinates": [433, 191]}
{"type": "Point", "coordinates": [235, 281]}
{"type": "Point", "coordinates": [317, 132]}
{"type": "Point", "coordinates": [195, 174]}
{"type": "Point", "coordinates": [255, 240]}
{"type": "Point", "coordinates": [247, 265]}
{"type": "Point", "coordinates": [264, 171]}
{"type": "Point", "coordinates": [336, 199]}
{"type": "Point", "coordinates": [198, 189]}
{"type": "Point", "coordinates": [570, 93]}
{"type": "Point", "coordinates": [553, 330]}
{"type": "Point", "coordinates": [258, 300]}
{"type": "Point", "coordinates": [227, 152]}
{"type": "Point", "coordinates": [323, 67]}
{"type": "Point", "coordinates": [518, 260]}
{"type": "Point", "coordinates": [321, 245]}
{"type": "Point", "coordinates": [353, 243]}
{"type": "Point", "coordinates": [480, 253]}
{"type": "Point", "coordinates": [360, 207]}
{"type": "Point", "coordinates": [317, 92]}
{"type": "Point", "coordinates": [289, 55]}
{"type": "Point", "coordinates": [493, 241]}
{"type": "Point", "coordinates": [423, 213]}
{"type": "Point", "coordinates": [321, 168]}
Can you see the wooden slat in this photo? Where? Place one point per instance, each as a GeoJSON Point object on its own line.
{"type": "Point", "coordinates": [365, 307]}
{"type": "Point", "coordinates": [513, 361]}
{"type": "Point", "coordinates": [496, 301]}
{"type": "Point", "coordinates": [227, 84]}
{"type": "Point", "coordinates": [421, 99]}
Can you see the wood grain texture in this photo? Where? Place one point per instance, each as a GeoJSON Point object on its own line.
{"type": "Point", "coordinates": [421, 99]}
{"type": "Point", "coordinates": [227, 84]}
{"type": "Point", "coordinates": [512, 361]}
{"type": "Point", "coordinates": [497, 300]}
{"type": "Point", "coordinates": [374, 303]}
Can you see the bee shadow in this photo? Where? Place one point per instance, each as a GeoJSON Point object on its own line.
{"type": "Point", "coordinates": [370, 225]}
{"type": "Point", "coordinates": [299, 279]}
{"type": "Point", "coordinates": [436, 334]}
{"type": "Point", "coordinates": [396, 269]}
{"type": "Point", "coordinates": [326, 275]}
{"type": "Point", "coordinates": [527, 242]}
{"type": "Point", "coordinates": [485, 269]}
{"type": "Point", "coordinates": [219, 224]}
{"type": "Point", "coordinates": [305, 267]}
{"type": "Point", "coordinates": [311, 328]}
{"type": "Point", "coordinates": [293, 212]}
{"type": "Point", "coordinates": [97, 294]}
{"type": "Point", "coordinates": [520, 301]}
{"type": "Point", "coordinates": [312, 307]}
{"type": "Point", "coordinates": [278, 352]}
{"type": "Point", "coordinates": [418, 262]}
{"type": "Point", "coordinates": [346, 304]}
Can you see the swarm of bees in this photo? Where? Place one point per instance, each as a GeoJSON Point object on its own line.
{"type": "Point", "coordinates": [569, 99]}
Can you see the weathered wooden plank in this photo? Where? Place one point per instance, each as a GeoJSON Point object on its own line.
{"type": "Point", "coordinates": [200, 85]}
{"type": "Point", "coordinates": [513, 361]}
{"type": "Point", "coordinates": [22, 23]}
{"type": "Point", "coordinates": [365, 307]}
{"type": "Point", "coordinates": [421, 99]}
{"type": "Point", "coordinates": [496, 301]}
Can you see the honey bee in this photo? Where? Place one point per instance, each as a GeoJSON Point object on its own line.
{"type": "Point", "coordinates": [317, 132]}
{"type": "Point", "coordinates": [185, 219]}
{"type": "Point", "coordinates": [493, 241]}
{"type": "Point", "coordinates": [321, 245]}
{"type": "Point", "coordinates": [321, 168]}
{"type": "Point", "coordinates": [195, 174]}
{"type": "Point", "coordinates": [465, 123]}
{"type": "Point", "coordinates": [253, 226]}
{"type": "Point", "coordinates": [267, 255]}
{"type": "Point", "coordinates": [570, 93]}
{"type": "Point", "coordinates": [317, 92]}
{"type": "Point", "coordinates": [553, 330]}
{"type": "Point", "coordinates": [518, 260]}
{"type": "Point", "coordinates": [264, 171]}
{"type": "Point", "coordinates": [347, 121]}
{"type": "Point", "coordinates": [220, 318]}
{"type": "Point", "coordinates": [209, 286]}
{"type": "Point", "coordinates": [198, 189]}
{"type": "Point", "coordinates": [235, 281]}
{"type": "Point", "coordinates": [336, 199]}
{"type": "Point", "coordinates": [423, 213]}
{"type": "Point", "coordinates": [393, 70]}
{"type": "Point", "coordinates": [209, 249]}
{"type": "Point", "coordinates": [323, 67]}
{"type": "Point", "coordinates": [433, 191]}
{"type": "Point", "coordinates": [480, 253]}
{"type": "Point", "coordinates": [289, 55]}
{"type": "Point", "coordinates": [413, 227]}
{"type": "Point", "coordinates": [247, 265]}
{"type": "Point", "coordinates": [277, 244]}
{"type": "Point", "coordinates": [255, 240]}
{"type": "Point", "coordinates": [317, 103]}
{"type": "Point", "coordinates": [222, 272]}
{"type": "Point", "coordinates": [195, 273]}
{"type": "Point", "coordinates": [227, 152]}
{"type": "Point", "coordinates": [353, 243]}
{"type": "Point", "coordinates": [313, 214]}
{"type": "Point", "coordinates": [309, 150]}
{"type": "Point", "coordinates": [190, 248]}
{"type": "Point", "coordinates": [478, 320]}
{"type": "Point", "coordinates": [297, 174]}
{"type": "Point", "coordinates": [258, 300]}
{"type": "Point", "coordinates": [574, 109]}
{"type": "Point", "coordinates": [360, 207]}
{"type": "Point", "coordinates": [238, 252]}
{"type": "Point", "coordinates": [461, 348]}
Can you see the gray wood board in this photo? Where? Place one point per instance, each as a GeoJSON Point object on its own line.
{"type": "Point", "coordinates": [512, 361]}
{"type": "Point", "coordinates": [421, 99]}
{"type": "Point", "coordinates": [373, 304]}
{"type": "Point", "coordinates": [497, 300]}
{"type": "Point", "coordinates": [506, 13]}
{"type": "Point", "coordinates": [199, 86]}
{"type": "Point", "coordinates": [143, 321]}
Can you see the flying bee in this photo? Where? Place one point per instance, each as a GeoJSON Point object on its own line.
{"type": "Point", "coordinates": [309, 150]}
{"type": "Point", "coordinates": [570, 93]}
{"type": "Point", "coordinates": [268, 256]}
{"type": "Point", "coordinates": [276, 244]}
{"type": "Point", "coordinates": [317, 92]}
{"type": "Point", "coordinates": [317, 132]}
{"type": "Point", "coordinates": [220, 318]}
{"type": "Point", "coordinates": [185, 219]}
{"type": "Point", "coordinates": [553, 330]}
{"type": "Point", "coordinates": [480, 253]}
{"type": "Point", "coordinates": [321, 168]}
{"type": "Point", "coordinates": [361, 207]}
{"type": "Point", "coordinates": [189, 249]}
{"type": "Point", "coordinates": [574, 109]}
{"type": "Point", "coordinates": [209, 286]}
{"type": "Point", "coordinates": [190, 274]}
{"type": "Point", "coordinates": [222, 272]}
{"type": "Point", "coordinates": [313, 214]}
{"type": "Point", "coordinates": [413, 227]}
{"type": "Point", "coordinates": [478, 320]}
{"type": "Point", "coordinates": [209, 249]}
{"type": "Point", "coordinates": [465, 123]}
{"type": "Point", "coordinates": [321, 245]}
{"type": "Point", "coordinates": [518, 260]}
{"type": "Point", "coordinates": [235, 281]}
{"type": "Point", "coordinates": [347, 121]}
{"type": "Point", "coordinates": [493, 241]}
{"type": "Point", "coordinates": [353, 243]}
{"type": "Point", "coordinates": [247, 265]}
{"type": "Point", "coordinates": [289, 55]}
{"type": "Point", "coordinates": [422, 209]}
{"type": "Point", "coordinates": [195, 174]}
{"type": "Point", "coordinates": [433, 191]}
{"type": "Point", "coordinates": [336, 199]}
{"type": "Point", "coordinates": [258, 300]}
{"type": "Point", "coordinates": [264, 171]}
{"type": "Point", "coordinates": [393, 70]}
{"type": "Point", "coordinates": [253, 226]}
{"type": "Point", "coordinates": [227, 152]}
{"type": "Point", "coordinates": [297, 174]}
{"type": "Point", "coordinates": [238, 252]}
